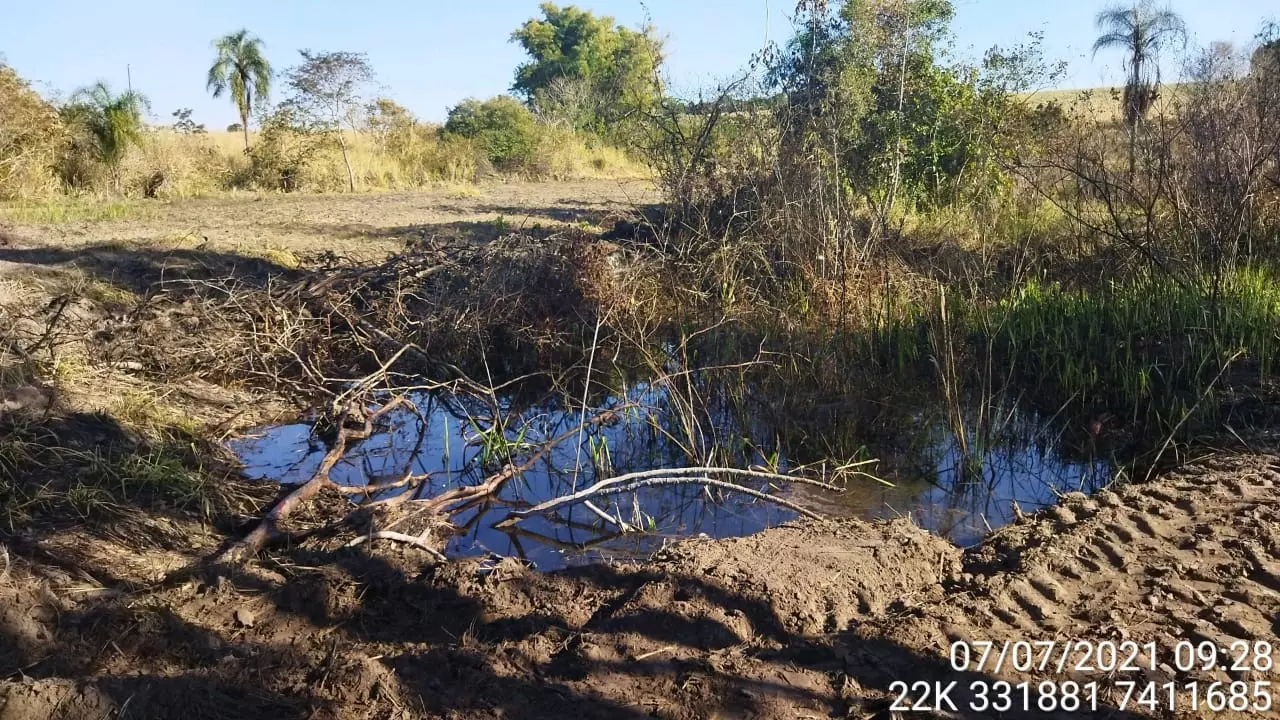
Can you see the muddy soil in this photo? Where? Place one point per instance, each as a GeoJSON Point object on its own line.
{"type": "Point", "coordinates": [806, 620]}
{"type": "Point", "coordinates": [123, 616]}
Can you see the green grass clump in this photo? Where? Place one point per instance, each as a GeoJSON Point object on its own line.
{"type": "Point", "coordinates": [62, 211]}
{"type": "Point", "coordinates": [41, 476]}
{"type": "Point", "coordinates": [1156, 354]}
{"type": "Point", "coordinates": [1155, 344]}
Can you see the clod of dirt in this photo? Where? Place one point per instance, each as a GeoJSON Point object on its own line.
{"type": "Point", "coordinates": [25, 399]}
{"type": "Point", "coordinates": [244, 617]}
{"type": "Point", "coordinates": [24, 625]}
{"type": "Point", "coordinates": [53, 700]}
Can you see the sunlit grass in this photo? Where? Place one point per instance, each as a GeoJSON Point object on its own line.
{"type": "Point", "coordinates": [1153, 342]}
{"type": "Point", "coordinates": [61, 211]}
{"type": "Point", "coordinates": [1151, 351]}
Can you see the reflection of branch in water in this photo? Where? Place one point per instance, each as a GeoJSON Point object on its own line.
{"type": "Point", "coordinates": [515, 543]}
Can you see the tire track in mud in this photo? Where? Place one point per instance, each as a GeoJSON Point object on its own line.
{"type": "Point", "coordinates": [1193, 556]}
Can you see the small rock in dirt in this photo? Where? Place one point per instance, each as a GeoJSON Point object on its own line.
{"type": "Point", "coordinates": [1062, 514]}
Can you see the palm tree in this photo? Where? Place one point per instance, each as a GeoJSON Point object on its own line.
{"type": "Point", "coordinates": [1141, 30]}
{"type": "Point", "coordinates": [241, 68]}
{"type": "Point", "coordinates": [110, 122]}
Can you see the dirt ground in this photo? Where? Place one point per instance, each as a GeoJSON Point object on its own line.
{"type": "Point", "coordinates": [811, 620]}
{"type": "Point", "coordinates": [127, 619]}
{"type": "Point", "coordinates": [357, 226]}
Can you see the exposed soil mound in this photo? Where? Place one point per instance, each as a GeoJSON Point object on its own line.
{"type": "Point", "coordinates": [819, 577]}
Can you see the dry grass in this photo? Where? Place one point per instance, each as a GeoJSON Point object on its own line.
{"type": "Point", "coordinates": [1100, 102]}
{"type": "Point", "coordinates": [212, 164]}
{"type": "Point", "coordinates": [170, 165]}
{"type": "Point", "coordinates": [57, 210]}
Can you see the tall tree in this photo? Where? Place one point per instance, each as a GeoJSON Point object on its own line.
{"type": "Point", "coordinates": [241, 68]}
{"type": "Point", "coordinates": [1140, 30]}
{"type": "Point", "coordinates": [617, 66]}
{"type": "Point", "coordinates": [111, 122]}
{"type": "Point", "coordinates": [329, 91]}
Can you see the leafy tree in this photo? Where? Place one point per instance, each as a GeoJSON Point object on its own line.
{"type": "Point", "coordinates": [235, 128]}
{"type": "Point", "coordinates": [611, 69]}
{"type": "Point", "coordinates": [501, 127]}
{"type": "Point", "coordinates": [1140, 31]}
{"type": "Point", "coordinates": [871, 105]}
{"type": "Point", "coordinates": [388, 122]}
{"type": "Point", "coordinates": [109, 122]}
{"type": "Point", "coordinates": [241, 69]}
{"type": "Point", "coordinates": [286, 149]}
{"type": "Point", "coordinates": [328, 93]}
{"type": "Point", "coordinates": [184, 125]}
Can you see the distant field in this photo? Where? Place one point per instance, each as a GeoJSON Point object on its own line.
{"type": "Point", "coordinates": [1104, 101]}
{"type": "Point", "coordinates": [229, 142]}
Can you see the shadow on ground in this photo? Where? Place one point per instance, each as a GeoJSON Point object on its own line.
{"type": "Point", "coordinates": [350, 634]}
{"type": "Point", "coordinates": [142, 270]}
{"type": "Point", "coordinates": [499, 220]}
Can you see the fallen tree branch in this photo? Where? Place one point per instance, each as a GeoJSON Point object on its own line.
{"type": "Point", "coordinates": [610, 487]}
{"type": "Point", "coordinates": [701, 472]}
{"type": "Point", "coordinates": [446, 503]}
{"type": "Point", "coordinates": [494, 482]}
{"type": "Point", "coordinates": [756, 474]}
{"type": "Point", "coordinates": [616, 522]}
{"type": "Point", "coordinates": [409, 480]}
{"type": "Point", "coordinates": [269, 526]}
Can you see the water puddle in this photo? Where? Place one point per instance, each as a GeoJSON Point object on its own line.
{"type": "Point", "coordinates": [455, 440]}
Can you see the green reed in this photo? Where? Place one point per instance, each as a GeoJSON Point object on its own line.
{"type": "Point", "coordinates": [1152, 348]}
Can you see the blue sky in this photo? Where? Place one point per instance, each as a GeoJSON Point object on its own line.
{"type": "Point", "coordinates": [429, 54]}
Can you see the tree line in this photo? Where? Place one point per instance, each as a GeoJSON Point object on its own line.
{"type": "Point", "coordinates": [897, 118]}
{"type": "Point", "coordinates": [585, 74]}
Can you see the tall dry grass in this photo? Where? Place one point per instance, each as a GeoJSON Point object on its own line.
{"type": "Point", "coordinates": [171, 165]}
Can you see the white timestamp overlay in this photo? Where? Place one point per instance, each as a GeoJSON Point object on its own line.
{"type": "Point", "coordinates": [1108, 659]}
{"type": "Point", "coordinates": [1248, 696]}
